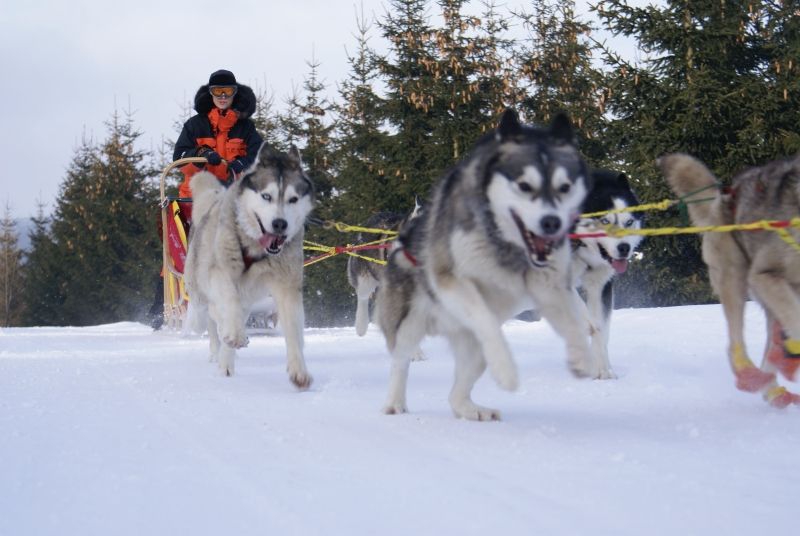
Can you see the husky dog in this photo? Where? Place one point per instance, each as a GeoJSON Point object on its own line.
{"type": "Point", "coordinates": [491, 242]}
{"type": "Point", "coordinates": [761, 262]}
{"type": "Point", "coordinates": [595, 260]}
{"type": "Point", "coordinates": [363, 275]}
{"type": "Point", "coordinates": [247, 242]}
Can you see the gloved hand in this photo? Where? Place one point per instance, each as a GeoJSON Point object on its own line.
{"type": "Point", "coordinates": [210, 155]}
{"type": "Point", "coordinates": [237, 166]}
{"type": "Point", "coordinates": [213, 158]}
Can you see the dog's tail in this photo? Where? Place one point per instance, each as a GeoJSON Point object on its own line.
{"type": "Point", "coordinates": [362, 316]}
{"type": "Point", "coordinates": [206, 189]}
{"type": "Point", "coordinates": [694, 183]}
{"type": "Point", "coordinates": [196, 321]}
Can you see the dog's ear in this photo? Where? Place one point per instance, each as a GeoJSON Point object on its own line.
{"type": "Point", "coordinates": [294, 155]}
{"type": "Point", "coordinates": [622, 179]}
{"type": "Point", "coordinates": [509, 126]}
{"type": "Point", "coordinates": [418, 207]}
{"type": "Point", "coordinates": [561, 129]}
{"type": "Point", "coordinates": [266, 154]}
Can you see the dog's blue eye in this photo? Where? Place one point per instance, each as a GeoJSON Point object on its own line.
{"type": "Point", "coordinates": [266, 197]}
{"type": "Point", "coordinates": [293, 200]}
{"type": "Point", "coordinates": [525, 187]}
{"type": "Point", "coordinates": [605, 221]}
{"type": "Point", "coordinates": [629, 223]}
{"type": "Point", "coordinates": [564, 188]}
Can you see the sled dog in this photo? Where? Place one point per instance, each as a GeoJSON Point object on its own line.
{"type": "Point", "coordinates": [759, 262]}
{"type": "Point", "coordinates": [364, 275]}
{"type": "Point", "coordinates": [596, 260]}
{"type": "Point", "coordinates": [491, 242]}
{"type": "Point", "coordinates": [246, 242]}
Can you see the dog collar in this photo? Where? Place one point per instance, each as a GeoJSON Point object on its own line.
{"type": "Point", "coordinates": [249, 260]}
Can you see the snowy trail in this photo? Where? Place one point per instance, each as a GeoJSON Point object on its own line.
{"type": "Point", "coordinates": [117, 430]}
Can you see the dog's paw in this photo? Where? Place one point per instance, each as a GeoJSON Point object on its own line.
{"type": "Point", "coordinates": [752, 379]}
{"type": "Point", "coordinates": [782, 354]}
{"type": "Point", "coordinates": [395, 409]}
{"type": "Point", "coordinates": [605, 373]}
{"type": "Point", "coordinates": [301, 380]}
{"type": "Point", "coordinates": [474, 412]}
{"type": "Point", "coordinates": [779, 397]}
{"type": "Point", "coordinates": [580, 365]}
{"type": "Point", "coordinates": [226, 366]}
{"type": "Point", "coordinates": [237, 339]}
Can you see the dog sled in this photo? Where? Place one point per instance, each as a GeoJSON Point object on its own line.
{"type": "Point", "coordinates": [174, 240]}
{"type": "Point", "coordinates": [174, 235]}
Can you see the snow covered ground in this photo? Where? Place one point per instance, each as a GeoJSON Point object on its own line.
{"type": "Point", "coordinates": [116, 430]}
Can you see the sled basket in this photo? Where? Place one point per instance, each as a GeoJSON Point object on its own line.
{"type": "Point", "coordinates": [174, 245]}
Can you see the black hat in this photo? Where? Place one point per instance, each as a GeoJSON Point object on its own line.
{"type": "Point", "coordinates": [222, 78]}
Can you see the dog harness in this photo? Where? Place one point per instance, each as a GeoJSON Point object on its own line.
{"type": "Point", "coordinates": [411, 258]}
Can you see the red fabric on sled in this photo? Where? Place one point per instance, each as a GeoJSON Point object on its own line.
{"type": "Point", "coordinates": [176, 250]}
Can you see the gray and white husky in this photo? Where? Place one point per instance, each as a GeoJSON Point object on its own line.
{"type": "Point", "coordinates": [247, 242]}
{"type": "Point", "coordinates": [364, 275]}
{"type": "Point", "coordinates": [491, 242]}
{"type": "Point", "coordinates": [597, 259]}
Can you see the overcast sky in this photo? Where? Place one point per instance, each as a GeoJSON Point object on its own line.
{"type": "Point", "coordinates": [68, 66]}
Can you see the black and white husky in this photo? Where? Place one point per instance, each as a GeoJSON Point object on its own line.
{"type": "Point", "coordinates": [491, 242]}
{"type": "Point", "coordinates": [246, 243]}
{"type": "Point", "coordinates": [365, 275]}
{"type": "Point", "coordinates": [597, 259]}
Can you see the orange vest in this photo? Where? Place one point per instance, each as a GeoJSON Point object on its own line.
{"type": "Point", "coordinates": [228, 149]}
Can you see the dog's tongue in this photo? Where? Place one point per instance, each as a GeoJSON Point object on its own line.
{"type": "Point", "coordinates": [268, 240]}
{"type": "Point", "coordinates": [620, 265]}
{"type": "Point", "coordinates": [541, 245]}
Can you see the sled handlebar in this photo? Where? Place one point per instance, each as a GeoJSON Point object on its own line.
{"type": "Point", "coordinates": [173, 165]}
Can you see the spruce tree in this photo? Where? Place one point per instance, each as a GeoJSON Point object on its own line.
{"type": "Point", "coordinates": [316, 115]}
{"type": "Point", "coordinates": [326, 292]}
{"type": "Point", "coordinates": [290, 122]}
{"type": "Point", "coordinates": [498, 80]}
{"type": "Point", "coordinates": [43, 294]}
{"type": "Point", "coordinates": [359, 143]}
{"type": "Point", "coordinates": [557, 75]}
{"type": "Point", "coordinates": [265, 118]}
{"type": "Point", "coordinates": [10, 271]}
{"type": "Point", "coordinates": [468, 87]}
{"type": "Point", "coordinates": [412, 152]}
{"type": "Point", "coordinates": [363, 187]}
{"type": "Point", "coordinates": [720, 82]}
{"type": "Point", "coordinates": [105, 230]}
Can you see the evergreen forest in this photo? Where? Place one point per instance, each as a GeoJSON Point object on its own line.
{"type": "Point", "coordinates": [715, 78]}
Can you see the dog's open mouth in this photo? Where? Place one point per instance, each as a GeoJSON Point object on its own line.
{"type": "Point", "coordinates": [272, 243]}
{"type": "Point", "coordinates": [619, 265]}
{"type": "Point", "coordinates": [539, 248]}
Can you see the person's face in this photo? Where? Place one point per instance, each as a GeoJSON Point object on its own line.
{"type": "Point", "coordinates": [223, 103]}
{"type": "Point", "coordinates": [223, 96]}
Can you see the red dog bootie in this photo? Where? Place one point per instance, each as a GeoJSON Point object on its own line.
{"type": "Point", "coordinates": [779, 397]}
{"type": "Point", "coordinates": [749, 377]}
{"type": "Point", "coordinates": [783, 353]}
